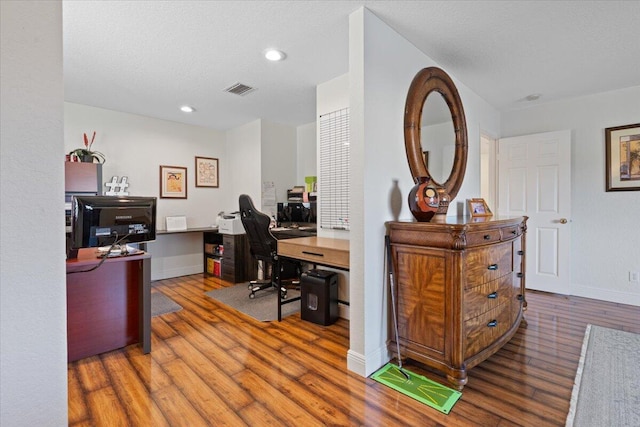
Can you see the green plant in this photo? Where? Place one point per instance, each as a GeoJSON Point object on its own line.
{"type": "Point", "coordinates": [86, 154]}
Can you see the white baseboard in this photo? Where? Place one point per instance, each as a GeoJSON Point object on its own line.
{"type": "Point", "coordinates": [365, 366]}
{"type": "Point", "coordinates": [159, 274]}
{"type": "Point", "coordinates": [620, 297]}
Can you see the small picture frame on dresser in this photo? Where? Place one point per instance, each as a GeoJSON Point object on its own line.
{"type": "Point", "coordinates": [478, 208]}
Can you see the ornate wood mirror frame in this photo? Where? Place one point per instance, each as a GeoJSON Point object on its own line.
{"type": "Point", "coordinates": [428, 197]}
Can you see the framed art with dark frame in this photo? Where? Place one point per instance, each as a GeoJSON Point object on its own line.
{"type": "Point", "coordinates": [173, 182]}
{"type": "Point", "coordinates": [478, 207]}
{"type": "Point", "coordinates": [622, 154]}
{"type": "Point", "coordinates": [206, 172]}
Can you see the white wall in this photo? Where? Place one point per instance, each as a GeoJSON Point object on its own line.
{"type": "Point", "coordinates": [605, 231]}
{"type": "Point", "coordinates": [306, 152]}
{"type": "Point", "coordinates": [279, 155]}
{"type": "Point", "coordinates": [33, 366]}
{"type": "Point", "coordinates": [381, 67]}
{"type": "Point", "coordinates": [245, 162]}
{"type": "Point", "coordinates": [135, 146]}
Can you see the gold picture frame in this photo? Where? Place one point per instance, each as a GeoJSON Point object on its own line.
{"type": "Point", "coordinates": [207, 172]}
{"type": "Point", "coordinates": [478, 208]}
{"type": "Point", "coordinates": [622, 154]}
{"type": "Point", "coordinates": [173, 182]}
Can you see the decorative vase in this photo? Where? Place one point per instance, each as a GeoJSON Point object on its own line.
{"type": "Point", "coordinates": [424, 199]}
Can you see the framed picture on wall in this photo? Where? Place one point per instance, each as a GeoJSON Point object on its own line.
{"type": "Point", "coordinates": [478, 207]}
{"type": "Point", "coordinates": [622, 153]}
{"type": "Point", "coordinates": [173, 182]}
{"type": "Point", "coordinates": [206, 172]}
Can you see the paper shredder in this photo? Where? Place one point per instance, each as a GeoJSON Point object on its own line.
{"type": "Point", "coordinates": [319, 296]}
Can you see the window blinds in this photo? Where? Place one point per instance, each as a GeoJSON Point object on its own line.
{"type": "Point", "coordinates": [334, 170]}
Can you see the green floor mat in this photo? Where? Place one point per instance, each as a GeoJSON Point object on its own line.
{"type": "Point", "coordinates": [418, 387]}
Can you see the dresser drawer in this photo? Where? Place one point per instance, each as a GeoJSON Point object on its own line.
{"type": "Point", "coordinates": [483, 330]}
{"type": "Point", "coordinates": [480, 299]}
{"type": "Point", "coordinates": [510, 232]}
{"type": "Point", "coordinates": [477, 238]}
{"type": "Point", "coordinates": [489, 263]}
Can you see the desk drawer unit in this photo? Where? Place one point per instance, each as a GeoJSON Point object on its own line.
{"type": "Point", "coordinates": [304, 249]}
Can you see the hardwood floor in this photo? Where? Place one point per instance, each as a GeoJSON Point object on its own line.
{"type": "Point", "coordinates": [211, 366]}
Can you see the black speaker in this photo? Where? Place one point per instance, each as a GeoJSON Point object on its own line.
{"type": "Point", "coordinates": [319, 296]}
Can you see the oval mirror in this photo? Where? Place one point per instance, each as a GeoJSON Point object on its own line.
{"type": "Point", "coordinates": [437, 138]}
{"type": "Point", "coordinates": [437, 174]}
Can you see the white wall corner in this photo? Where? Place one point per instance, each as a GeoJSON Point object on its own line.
{"type": "Point", "coordinates": [367, 365]}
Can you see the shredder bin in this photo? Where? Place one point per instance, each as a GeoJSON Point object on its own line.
{"type": "Point", "coordinates": [319, 296]}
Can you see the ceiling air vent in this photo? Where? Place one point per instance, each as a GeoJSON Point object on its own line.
{"type": "Point", "coordinates": [239, 89]}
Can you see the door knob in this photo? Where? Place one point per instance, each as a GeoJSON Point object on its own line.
{"type": "Point", "coordinates": [563, 220]}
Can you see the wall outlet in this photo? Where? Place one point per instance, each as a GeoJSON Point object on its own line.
{"type": "Point", "coordinates": [634, 276]}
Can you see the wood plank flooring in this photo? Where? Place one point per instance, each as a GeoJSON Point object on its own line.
{"type": "Point", "coordinates": [212, 366]}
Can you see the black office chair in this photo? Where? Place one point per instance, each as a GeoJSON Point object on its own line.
{"type": "Point", "coordinates": [264, 247]}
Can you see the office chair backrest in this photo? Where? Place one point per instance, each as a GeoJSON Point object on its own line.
{"type": "Point", "coordinates": [256, 224]}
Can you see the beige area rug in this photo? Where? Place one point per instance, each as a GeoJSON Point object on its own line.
{"type": "Point", "coordinates": [263, 307]}
{"type": "Point", "coordinates": [606, 390]}
{"type": "Point", "coordinates": [162, 304]}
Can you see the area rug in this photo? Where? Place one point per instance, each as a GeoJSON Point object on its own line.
{"type": "Point", "coordinates": [418, 387]}
{"type": "Point", "coordinates": [162, 304]}
{"type": "Point", "coordinates": [606, 390]}
{"type": "Point", "coordinates": [263, 307]}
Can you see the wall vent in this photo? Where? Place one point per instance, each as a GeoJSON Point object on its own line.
{"type": "Point", "coordinates": [239, 89]}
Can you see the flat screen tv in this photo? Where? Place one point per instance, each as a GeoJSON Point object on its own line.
{"type": "Point", "coordinates": [107, 220]}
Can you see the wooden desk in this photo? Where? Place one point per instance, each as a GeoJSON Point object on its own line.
{"type": "Point", "coordinates": [315, 250]}
{"type": "Point", "coordinates": [110, 307]}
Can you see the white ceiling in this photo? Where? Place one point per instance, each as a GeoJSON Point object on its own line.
{"type": "Point", "coordinates": [150, 57]}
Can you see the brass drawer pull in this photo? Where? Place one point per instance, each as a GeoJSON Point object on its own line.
{"type": "Point", "coordinates": [493, 267]}
{"type": "Point", "coordinates": [487, 237]}
{"type": "Point", "coordinates": [493, 323]}
{"type": "Point", "coordinates": [312, 253]}
{"type": "Point", "coordinates": [493, 295]}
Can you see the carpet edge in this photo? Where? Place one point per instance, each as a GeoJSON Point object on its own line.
{"type": "Point", "coordinates": [573, 403]}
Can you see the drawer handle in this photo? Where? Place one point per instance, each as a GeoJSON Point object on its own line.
{"type": "Point", "coordinates": [493, 295]}
{"type": "Point", "coordinates": [520, 275]}
{"type": "Point", "coordinates": [493, 323]}
{"type": "Point", "coordinates": [487, 237]}
{"type": "Point", "coordinates": [520, 253]}
{"type": "Point", "coordinates": [520, 297]}
{"type": "Point", "coordinates": [493, 267]}
{"type": "Point", "coordinates": [514, 232]}
{"type": "Point", "coordinates": [312, 253]}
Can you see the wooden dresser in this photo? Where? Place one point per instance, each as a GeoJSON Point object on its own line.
{"type": "Point", "coordinates": [460, 290]}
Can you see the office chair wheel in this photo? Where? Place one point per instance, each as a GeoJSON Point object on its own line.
{"type": "Point", "coordinates": [252, 295]}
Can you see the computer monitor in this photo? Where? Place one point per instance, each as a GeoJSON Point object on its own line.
{"type": "Point", "coordinates": [290, 212]}
{"type": "Point", "coordinates": [107, 220]}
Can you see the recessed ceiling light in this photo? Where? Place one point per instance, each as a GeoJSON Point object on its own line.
{"type": "Point", "coordinates": [274, 55]}
{"type": "Point", "coordinates": [533, 97]}
{"type": "Point", "coordinates": [187, 109]}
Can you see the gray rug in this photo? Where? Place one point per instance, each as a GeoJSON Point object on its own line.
{"type": "Point", "coordinates": [606, 391]}
{"type": "Point", "coordinates": [162, 304]}
{"type": "Point", "coordinates": [263, 307]}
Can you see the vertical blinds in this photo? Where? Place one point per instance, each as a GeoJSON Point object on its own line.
{"type": "Point", "coordinates": [334, 170]}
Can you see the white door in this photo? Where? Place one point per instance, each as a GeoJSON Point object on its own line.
{"type": "Point", "coordinates": [534, 179]}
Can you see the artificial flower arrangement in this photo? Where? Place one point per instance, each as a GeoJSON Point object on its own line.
{"type": "Point", "coordinates": [86, 154]}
